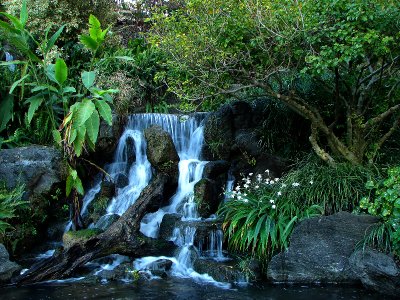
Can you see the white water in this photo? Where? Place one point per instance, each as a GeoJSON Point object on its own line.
{"type": "Point", "coordinates": [187, 135]}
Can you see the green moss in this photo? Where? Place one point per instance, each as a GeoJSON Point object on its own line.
{"type": "Point", "coordinates": [84, 233]}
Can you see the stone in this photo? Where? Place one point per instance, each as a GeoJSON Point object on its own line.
{"type": "Point", "coordinates": [377, 271]}
{"type": "Point", "coordinates": [168, 223]}
{"type": "Point", "coordinates": [121, 180]}
{"type": "Point", "coordinates": [320, 249]}
{"type": "Point", "coordinates": [39, 168]}
{"type": "Point", "coordinates": [207, 195]}
{"type": "Point", "coordinates": [219, 271]}
{"type": "Point", "coordinates": [218, 133]}
{"type": "Point", "coordinates": [214, 169]}
{"type": "Point", "coordinates": [242, 115]}
{"type": "Point", "coordinates": [8, 269]}
{"type": "Point", "coordinates": [161, 151]}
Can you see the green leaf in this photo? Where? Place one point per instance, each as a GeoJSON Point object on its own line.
{"type": "Point", "coordinates": [13, 62]}
{"type": "Point", "coordinates": [94, 22]}
{"type": "Point", "coordinates": [16, 83]}
{"type": "Point", "coordinates": [78, 186]}
{"type": "Point", "coordinates": [54, 38]}
{"type": "Point", "coordinates": [88, 42]}
{"type": "Point", "coordinates": [69, 89]}
{"type": "Point", "coordinates": [57, 136]}
{"type": "Point", "coordinates": [92, 127]}
{"type": "Point", "coordinates": [104, 110]}
{"type": "Point", "coordinates": [17, 23]}
{"type": "Point", "coordinates": [88, 79]}
{"type": "Point", "coordinates": [23, 17]}
{"type": "Point", "coordinates": [44, 87]}
{"type": "Point", "coordinates": [34, 105]}
{"type": "Point", "coordinates": [80, 140]}
{"type": "Point", "coordinates": [68, 185]}
{"type": "Point", "coordinates": [61, 71]}
{"type": "Point", "coordinates": [6, 111]}
{"type": "Point", "coordinates": [8, 28]}
{"type": "Point", "coordinates": [83, 112]}
{"type": "Point", "coordinates": [51, 72]}
{"type": "Point", "coordinates": [127, 58]}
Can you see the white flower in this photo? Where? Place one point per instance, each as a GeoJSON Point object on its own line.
{"type": "Point", "coordinates": [250, 174]}
{"type": "Point", "coordinates": [283, 185]}
{"type": "Point", "coordinates": [279, 193]}
{"type": "Point", "coordinates": [311, 182]}
{"type": "Point", "coordinates": [267, 171]}
{"type": "Point", "coordinates": [256, 187]}
{"type": "Point", "coordinates": [271, 201]}
{"type": "Point", "coordinates": [276, 179]}
{"type": "Point", "coordinates": [239, 197]}
{"type": "Point", "coordinates": [245, 200]}
{"type": "Point", "coordinates": [245, 194]}
{"type": "Point", "coordinates": [272, 181]}
{"type": "Point", "coordinates": [246, 186]}
{"type": "Point", "coordinates": [273, 206]}
{"type": "Point", "coordinates": [295, 184]}
{"type": "Point", "coordinates": [237, 188]}
{"type": "Point", "coordinates": [259, 176]}
{"type": "Point", "coordinates": [248, 181]}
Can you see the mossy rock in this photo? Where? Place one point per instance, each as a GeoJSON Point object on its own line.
{"type": "Point", "coordinates": [72, 237]}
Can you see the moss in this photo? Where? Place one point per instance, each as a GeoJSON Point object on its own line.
{"type": "Point", "coordinates": [84, 233]}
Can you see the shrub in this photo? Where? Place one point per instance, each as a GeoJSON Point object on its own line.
{"type": "Point", "coordinates": [260, 219]}
{"type": "Point", "coordinates": [10, 201]}
{"type": "Point", "coordinates": [384, 201]}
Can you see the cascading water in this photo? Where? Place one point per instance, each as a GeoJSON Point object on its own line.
{"type": "Point", "coordinates": [131, 161]}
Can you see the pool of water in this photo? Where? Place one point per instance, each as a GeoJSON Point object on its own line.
{"type": "Point", "coordinates": [180, 289]}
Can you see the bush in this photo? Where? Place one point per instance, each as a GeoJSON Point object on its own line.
{"type": "Point", "coordinates": [260, 219]}
{"type": "Point", "coordinates": [262, 211]}
{"type": "Point", "coordinates": [47, 13]}
{"type": "Point", "coordinates": [10, 201]}
{"type": "Point", "coordinates": [384, 202]}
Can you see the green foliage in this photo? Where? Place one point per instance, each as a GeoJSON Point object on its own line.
{"type": "Point", "coordinates": [348, 50]}
{"type": "Point", "coordinates": [10, 201]}
{"type": "Point", "coordinates": [384, 202]}
{"type": "Point", "coordinates": [259, 219]}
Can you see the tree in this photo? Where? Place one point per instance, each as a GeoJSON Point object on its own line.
{"type": "Point", "coordinates": [336, 63]}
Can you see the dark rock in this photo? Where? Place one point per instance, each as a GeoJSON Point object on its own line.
{"type": "Point", "coordinates": [207, 195]}
{"type": "Point", "coordinates": [214, 169]}
{"type": "Point", "coordinates": [8, 269]}
{"type": "Point", "coordinates": [107, 189]}
{"type": "Point", "coordinates": [121, 180]}
{"type": "Point", "coordinates": [246, 141]}
{"type": "Point", "coordinates": [242, 117]}
{"type": "Point", "coordinates": [130, 153]}
{"type": "Point", "coordinates": [320, 249]}
{"type": "Point", "coordinates": [161, 151]}
{"type": "Point", "coordinates": [106, 221]}
{"type": "Point", "coordinates": [377, 271]}
{"type": "Point", "coordinates": [107, 140]}
{"type": "Point", "coordinates": [55, 231]}
{"type": "Point", "coordinates": [220, 271]}
{"type": "Point", "coordinates": [160, 267]}
{"type": "Point", "coordinates": [39, 168]}
{"type": "Point", "coordinates": [218, 133]}
{"type": "Point", "coordinates": [168, 223]}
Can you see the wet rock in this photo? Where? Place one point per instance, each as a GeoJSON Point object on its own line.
{"type": "Point", "coordinates": [214, 169]}
{"type": "Point", "coordinates": [377, 271]}
{"type": "Point", "coordinates": [8, 269]}
{"type": "Point", "coordinates": [218, 133]}
{"type": "Point", "coordinates": [72, 237]}
{"type": "Point", "coordinates": [161, 151]}
{"type": "Point", "coordinates": [121, 180]}
{"type": "Point", "coordinates": [107, 189]}
{"type": "Point", "coordinates": [207, 195]}
{"type": "Point", "coordinates": [220, 271]}
{"type": "Point", "coordinates": [160, 267]}
{"type": "Point", "coordinates": [320, 249]}
{"type": "Point", "coordinates": [242, 115]}
{"type": "Point", "coordinates": [168, 223]}
{"type": "Point", "coordinates": [107, 140]}
{"type": "Point", "coordinates": [39, 168]}
{"type": "Point", "coordinates": [106, 221]}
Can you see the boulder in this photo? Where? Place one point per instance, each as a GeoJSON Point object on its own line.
{"type": "Point", "coordinates": [121, 180]}
{"type": "Point", "coordinates": [219, 271]}
{"type": "Point", "coordinates": [8, 269]}
{"type": "Point", "coordinates": [39, 168]}
{"type": "Point", "coordinates": [168, 223]}
{"type": "Point", "coordinates": [218, 133]}
{"type": "Point", "coordinates": [161, 151]}
{"type": "Point", "coordinates": [320, 249]}
{"type": "Point", "coordinates": [107, 139]}
{"type": "Point", "coordinates": [242, 115]}
{"type": "Point", "coordinates": [214, 169]}
{"type": "Point", "coordinates": [377, 271]}
{"type": "Point", "coordinates": [207, 195]}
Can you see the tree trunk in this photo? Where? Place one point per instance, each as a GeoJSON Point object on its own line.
{"type": "Point", "coordinates": [123, 237]}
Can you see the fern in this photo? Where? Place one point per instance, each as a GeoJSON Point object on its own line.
{"type": "Point", "coordinates": [10, 202]}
